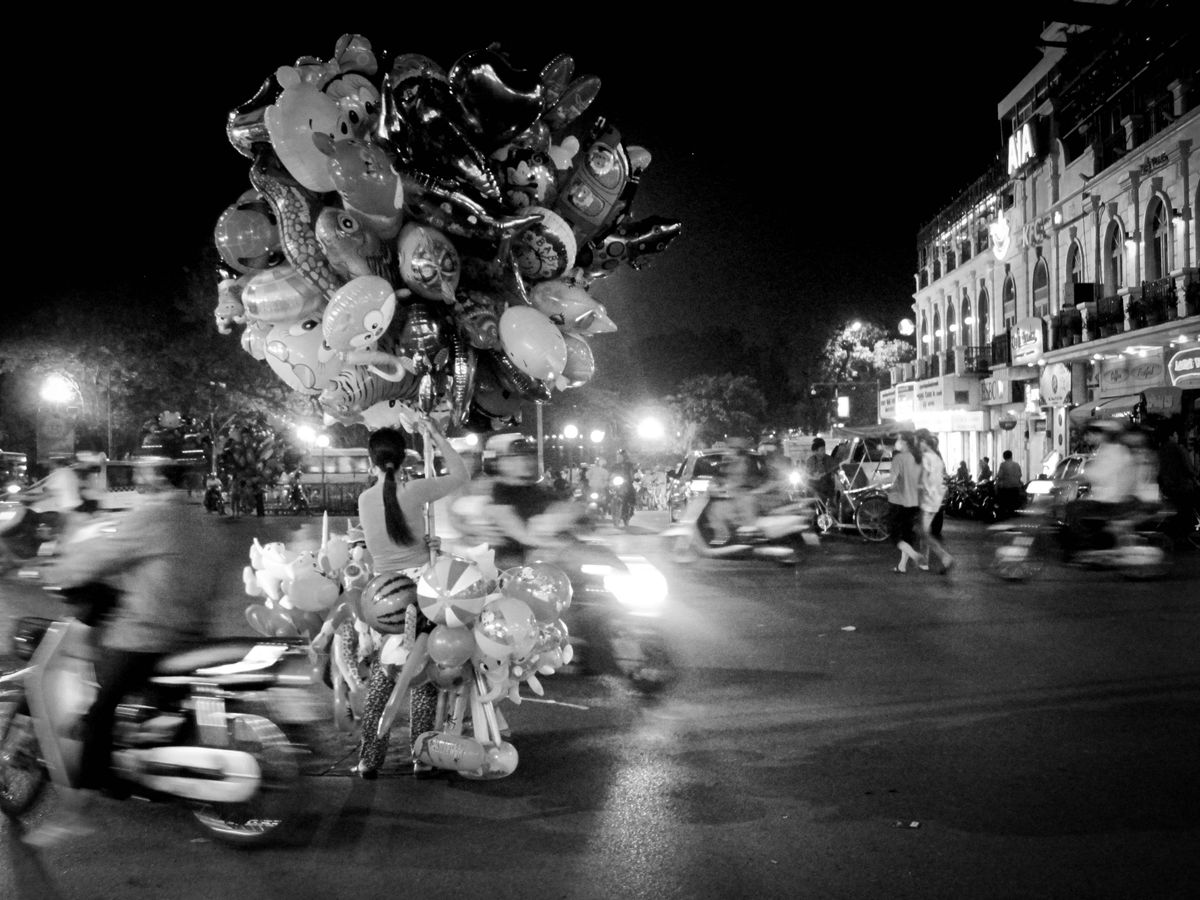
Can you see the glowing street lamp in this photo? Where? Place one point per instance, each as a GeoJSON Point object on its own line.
{"type": "Point", "coordinates": [58, 388]}
{"type": "Point", "coordinates": [570, 432]}
{"type": "Point", "coordinates": [651, 429]}
{"type": "Point", "coordinates": [597, 436]}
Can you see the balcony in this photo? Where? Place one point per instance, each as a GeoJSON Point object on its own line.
{"type": "Point", "coordinates": [1110, 315]}
{"type": "Point", "coordinates": [1067, 328]}
{"type": "Point", "coordinates": [1158, 304]}
{"type": "Point", "coordinates": [1001, 355]}
{"type": "Point", "coordinates": [976, 360]}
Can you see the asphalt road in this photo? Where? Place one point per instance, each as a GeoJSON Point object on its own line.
{"type": "Point", "coordinates": [839, 731]}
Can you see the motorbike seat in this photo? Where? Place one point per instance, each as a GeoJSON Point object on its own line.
{"type": "Point", "coordinates": [188, 661]}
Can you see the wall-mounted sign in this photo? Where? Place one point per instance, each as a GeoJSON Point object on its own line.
{"type": "Point", "coordinates": [1163, 401]}
{"type": "Point", "coordinates": [1130, 375]}
{"type": "Point", "coordinates": [905, 402]}
{"type": "Point", "coordinates": [887, 405]}
{"type": "Point", "coordinates": [1021, 148]}
{"type": "Point", "coordinates": [930, 394]}
{"type": "Point", "coordinates": [1055, 384]}
{"type": "Point", "coordinates": [1184, 368]}
{"type": "Point", "coordinates": [994, 390]}
{"type": "Point", "coordinates": [1026, 341]}
{"type": "Point", "coordinates": [1000, 237]}
{"type": "Point", "coordinates": [1154, 162]}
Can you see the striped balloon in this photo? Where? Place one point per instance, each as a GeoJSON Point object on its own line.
{"type": "Point", "coordinates": [384, 601]}
{"type": "Point", "coordinates": [452, 591]}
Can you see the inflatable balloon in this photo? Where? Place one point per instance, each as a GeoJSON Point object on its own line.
{"type": "Point", "coordinates": [546, 249]}
{"type": "Point", "coordinates": [247, 234]}
{"type": "Point", "coordinates": [366, 180]}
{"type": "Point", "coordinates": [581, 365]}
{"type": "Point", "coordinates": [385, 600]}
{"type": "Point", "coordinates": [532, 342]}
{"type": "Point", "coordinates": [298, 355]}
{"type": "Point", "coordinates": [352, 246]}
{"type": "Point", "coordinates": [429, 263]}
{"type": "Point", "coordinates": [545, 588]}
{"type": "Point", "coordinates": [359, 313]}
{"type": "Point", "coordinates": [280, 295]}
{"type": "Point", "coordinates": [450, 645]}
{"type": "Point", "coordinates": [301, 111]}
{"type": "Point", "coordinates": [452, 591]}
{"type": "Point", "coordinates": [506, 628]}
{"type": "Point", "coordinates": [570, 307]}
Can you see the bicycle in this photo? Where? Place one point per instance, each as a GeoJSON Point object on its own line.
{"type": "Point", "coordinates": [863, 509]}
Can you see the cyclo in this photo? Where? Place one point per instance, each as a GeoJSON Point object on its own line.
{"type": "Point", "coordinates": [861, 478]}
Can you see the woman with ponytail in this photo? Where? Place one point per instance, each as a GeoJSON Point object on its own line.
{"type": "Point", "coordinates": [392, 517]}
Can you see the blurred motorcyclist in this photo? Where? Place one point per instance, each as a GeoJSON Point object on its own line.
{"type": "Point", "coordinates": [777, 485]}
{"type": "Point", "coordinates": [733, 504]}
{"type": "Point", "coordinates": [164, 604]}
{"type": "Point", "coordinates": [1112, 477]}
{"type": "Point", "coordinates": [627, 491]}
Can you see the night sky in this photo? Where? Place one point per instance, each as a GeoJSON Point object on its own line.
{"type": "Point", "coordinates": [801, 158]}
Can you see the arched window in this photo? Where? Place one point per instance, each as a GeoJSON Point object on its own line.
{"type": "Point", "coordinates": [981, 305]}
{"type": "Point", "coordinates": [1114, 260]}
{"type": "Point", "coordinates": [937, 269]}
{"type": "Point", "coordinates": [950, 261]}
{"type": "Point", "coordinates": [924, 348]}
{"type": "Point", "coordinates": [1009, 299]}
{"type": "Point", "coordinates": [1041, 288]}
{"type": "Point", "coordinates": [1158, 249]}
{"type": "Point", "coordinates": [951, 325]}
{"type": "Point", "coordinates": [937, 330]}
{"type": "Point", "coordinates": [966, 320]}
{"type": "Point", "coordinates": [1075, 263]}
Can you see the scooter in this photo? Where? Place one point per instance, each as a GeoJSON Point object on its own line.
{"type": "Point", "coordinates": [778, 534]}
{"type": "Point", "coordinates": [216, 727]}
{"type": "Point", "coordinates": [620, 501]}
{"type": "Point", "coordinates": [1132, 544]}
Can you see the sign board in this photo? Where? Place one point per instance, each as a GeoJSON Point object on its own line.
{"type": "Point", "coordinates": [1130, 375]}
{"type": "Point", "coordinates": [905, 401]}
{"type": "Point", "coordinates": [1184, 368]}
{"type": "Point", "coordinates": [994, 391]}
{"type": "Point", "coordinates": [1021, 148]}
{"type": "Point", "coordinates": [930, 394]}
{"type": "Point", "coordinates": [1055, 384]}
{"type": "Point", "coordinates": [1026, 341]}
{"type": "Point", "coordinates": [887, 405]}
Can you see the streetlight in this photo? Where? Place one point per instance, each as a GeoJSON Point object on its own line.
{"type": "Point", "coordinates": [650, 429]}
{"type": "Point", "coordinates": [59, 388]}
{"type": "Point", "coordinates": [56, 426]}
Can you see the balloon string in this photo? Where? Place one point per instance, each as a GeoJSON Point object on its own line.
{"type": "Point", "coordinates": [430, 530]}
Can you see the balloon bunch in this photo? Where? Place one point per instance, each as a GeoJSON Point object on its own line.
{"type": "Point", "coordinates": [427, 237]}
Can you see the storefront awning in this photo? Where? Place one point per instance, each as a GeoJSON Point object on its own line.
{"type": "Point", "coordinates": [1107, 409]}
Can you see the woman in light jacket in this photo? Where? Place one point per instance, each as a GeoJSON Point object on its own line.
{"type": "Point", "coordinates": [903, 501]}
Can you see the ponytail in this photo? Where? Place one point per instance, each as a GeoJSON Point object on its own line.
{"type": "Point", "coordinates": [393, 516]}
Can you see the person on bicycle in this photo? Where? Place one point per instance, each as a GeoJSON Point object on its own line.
{"type": "Point", "coordinates": [820, 469]}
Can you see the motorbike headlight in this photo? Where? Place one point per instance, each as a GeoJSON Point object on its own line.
{"type": "Point", "coordinates": [13, 489]}
{"type": "Point", "coordinates": [618, 481]}
{"type": "Point", "coordinates": [794, 479]}
{"type": "Point", "coordinates": [641, 588]}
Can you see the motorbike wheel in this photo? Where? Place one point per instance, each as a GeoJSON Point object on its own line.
{"type": "Point", "coordinates": [644, 659]}
{"type": "Point", "coordinates": [1156, 552]}
{"type": "Point", "coordinates": [871, 518]}
{"type": "Point", "coordinates": [259, 819]}
{"type": "Point", "coordinates": [22, 775]}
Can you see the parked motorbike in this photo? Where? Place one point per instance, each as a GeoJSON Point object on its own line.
{"type": "Point", "coordinates": [779, 534]}
{"type": "Point", "coordinates": [966, 499]}
{"type": "Point", "coordinates": [215, 727]}
{"type": "Point", "coordinates": [1131, 544]}
{"type": "Point", "coordinates": [214, 500]}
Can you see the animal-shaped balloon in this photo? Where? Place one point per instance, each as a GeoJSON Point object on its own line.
{"type": "Point", "coordinates": [429, 263]}
{"type": "Point", "coordinates": [281, 295]}
{"type": "Point", "coordinates": [570, 307]}
{"type": "Point", "coordinates": [477, 317]}
{"type": "Point", "coordinates": [580, 365]}
{"type": "Point", "coordinates": [545, 249]}
{"type": "Point", "coordinates": [359, 313]}
{"type": "Point", "coordinates": [296, 352]}
{"type": "Point", "coordinates": [366, 180]}
{"type": "Point", "coordinates": [301, 111]}
{"type": "Point", "coordinates": [352, 245]}
{"type": "Point", "coordinates": [355, 389]}
{"type": "Point", "coordinates": [230, 310]}
{"type": "Point", "coordinates": [254, 338]}
{"type": "Point", "coordinates": [358, 101]}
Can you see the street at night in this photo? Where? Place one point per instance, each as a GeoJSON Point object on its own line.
{"type": "Point", "coordinates": [838, 731]}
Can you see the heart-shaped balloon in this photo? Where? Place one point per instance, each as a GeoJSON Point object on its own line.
{"type": "Point", "coordinates": [497, 101]}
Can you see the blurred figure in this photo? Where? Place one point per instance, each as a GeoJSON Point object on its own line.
{"type": "Point", "coordinates": [985, 469]}
{"type": "Point", "coordinates": [391, 514]}
{"type": "Point", "coordinates": [62, 495]}
{"type": "Point", "coordinates": [736, 506]}
{"type": "Point", "coordinates": [1177, 481]}
{"type": "Point", "coordinates": [164, 605]}
{"type": "Point", "coordinates": [1112, 480]}
{"type": "Point", "coordinates": [1010, 486]}
{"type": "Point", "coordinates": [777, 486]}
{"type": "Point", "coordinates": [904, 499]}
{"type": "Point", "coordinates": [930, 494]}
{"type": "Point", "coordinates": [962, 473]}
{"type": "Point", "coordinates": [819, 470]}
{"type": "Point", "coordinates": [597, 478]}
{"type": "Point", "coordinates": [626, 494]}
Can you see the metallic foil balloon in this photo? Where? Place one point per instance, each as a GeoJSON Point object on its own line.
{"type": "Point", "coordinates": [301, 111]}
{"type": "Point", "coordinates": [246, 125]}
{"type": "Point", "coordinates": [556, 75]}
{"type": "Point", "coordinates": [429, 263]}
{"type": "Point", "coordinates": [455, 213]}
{"type": "Point", "coordinates": [247, 234]}
{"type": "Point", "coordinates": [365, 178]}
{"type": "Point", "coordinates": [533, 343]}
{"type": "Point", "coordinates": [462, 388]}
{"type": "Point", "coordinates": [477, 318]}
{"type": "Point", "coordinates": [359, 313]}
{"type": "Point", "coordinates": [573, 102]}
{"type": "Point", "coordinates": [281, 295]}
{"type": "Point", "coordinates": [296, 352]}
{"type": "Point", "coordinates": [590, 198]}
{"type": "Point", "coordinates": [570, 307]}
{"type": "Point", "coordinates": [496, 100]}
{"type": "Point", "coordinates": [493, 397]}
{"type": "Point", "coordinates": [581, 365]}
{"type": "Point", "coordinates": [546, 249]}
{"type": "Point", "coordinates": [355, 389]}
{"type": "Point", "coordinates": [352, 246]}
{"type": "Point", "coordinates": [422, 333]}
{"type": "Point", "coordinates": [634, 243]}
{"type": "Point", "coordinates": [528, 178]}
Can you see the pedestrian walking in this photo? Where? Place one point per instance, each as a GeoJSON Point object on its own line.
{"type": "Point", "coordinates": [903, 502]}
{"type": "Point", "coordinates": [1009, 485]}
{"type": "Point", "coordinates": [931, 492]}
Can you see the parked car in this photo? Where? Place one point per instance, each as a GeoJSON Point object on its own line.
{"type": "Point", "coordinates": [1064, 484]}
{"type": "Point", "coordinates": [697, 470]}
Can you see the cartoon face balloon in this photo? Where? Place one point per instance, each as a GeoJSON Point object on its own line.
{"type": "Point", "coordinates": [247, 234]}
{"type": "Point", "coordinates": [545, 250]}
{"type": "Point", "coordinates": [359, 313]}
{"type": "Point", "coordinates": [571, 308]}
{"type": "Point", "coordinates": [297, 353]}
{"type": "Point", "coordinates": [429, 263]}
{"type": "Point", "coordinates": [358, 101]}
{"type": "Point", "coordinates": [301, 111]}
{"type": "Point", "coordinates": [363, 176]}
{"type": "Point", "coordinates": [351, 244]}
{"type": "Point", "coordinates": [532, 342]}
{"type": "Point", "coordinates": [528, 178]}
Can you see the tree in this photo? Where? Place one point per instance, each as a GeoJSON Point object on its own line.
{"type": "Point", "coordinates": [254, 451]}
{"type": "Point", "coordinates": [718, 407]}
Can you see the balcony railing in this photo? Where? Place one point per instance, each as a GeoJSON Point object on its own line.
{"type": "Point", "coordinates": [977, 361]}
{"type": "Point", "coordinates": [1110, 315]}
{"type": "Point", "coordinates": [1157, 304]}
{"type": "Point", "coordinates": [1000, 349]}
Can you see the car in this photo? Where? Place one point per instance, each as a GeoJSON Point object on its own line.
{"type": "Point", "coordinates": [1066, 483]}
{"type": "Point", "coordinates": [697, 470]}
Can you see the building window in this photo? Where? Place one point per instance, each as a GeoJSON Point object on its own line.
{"type": "Point", "coordinates": [950, 261]}
{"type": "Point", "coordinates": [1041, 288]}
{"type": "Point", "coordinates": [937, 269]}
{"type": "Point", "coordinates": [1075, 262]}
{"type": "Point", "coordinates": [1157, 260]}
{"type": "Point", "coordinates": [924, 348]}
{"type": "Point", "coordinates": [966, 321]}
{"type": "Point", "coordinates": [1114, 260]}
{"type": "Point", "coordinates": [937, 331]}
{"type": "Point", "coordinates": [951, 325]}
{"type": "Point", "coordinates": [1009, 300]}
{"type": "Point", "coordinates": [981, 305]}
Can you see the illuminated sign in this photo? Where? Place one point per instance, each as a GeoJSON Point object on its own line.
{"type": "Point", "coordinates": [1000, 237]}
{"type": "Point", "coordinates": [1021, 148]}
{"type": "Point", "coordinates": [1026, 340]}
{"type": "Point", "coordinates": [1055, 384]}
{"type": "Point", "coordinates": [887, 405]}
{"type": "Point", "coordinates": [930, 394]}
{"type": "Point", "coordinates": [1130, 375]}
{"type": "Point", "coordinates": [1184, 368]}
{"type": "Point", "coordinates": [994, 390]}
